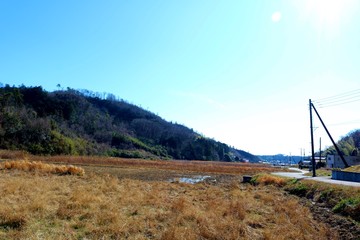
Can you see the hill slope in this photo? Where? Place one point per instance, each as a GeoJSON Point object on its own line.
{"type": "Point", "coordinates": [349, 145]}
{"type": "Point", "coordinates": [85, 123]}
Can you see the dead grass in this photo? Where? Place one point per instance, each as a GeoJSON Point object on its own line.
{"type": "Point", "coordinates": [32, 166]}
{"type": "Point", "coordinates": [112, 206]}
{"type": "Point", "coordinates": [267, 179]}
{"type": "Point", "coordinates": [320, 172]}
{"type": "Point", "coordinates": [167, 165]}
{"type": "Point", "coordinates": [343, 200]}
{"type": "Point", "coordinates": [11, 155]}
{"type": "Point", "coordinates": [96, 206]}
{"type": "Point", "coordinates": [353, 169]}
{"type": "Point", "coordinates": [195, 166]}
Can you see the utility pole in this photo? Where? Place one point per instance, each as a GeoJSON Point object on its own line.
{"type": "Point", "coordinates": [312, 140]}
{"type": "Point", "coordinates": [320, 152]}
{"type": "Point", "coordinates": [332, 140]}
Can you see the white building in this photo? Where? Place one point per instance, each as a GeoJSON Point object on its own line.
{"type": "Point", "coordinates": [334, 161]}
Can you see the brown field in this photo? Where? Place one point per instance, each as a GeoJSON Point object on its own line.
{"type": "Point", "coordinates": [137, 199]}
{"type": "Point", "coordinates": [177, 165]}
{"type": "Point", "coordinates": [185, 166]}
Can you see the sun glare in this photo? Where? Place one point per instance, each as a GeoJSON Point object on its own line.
{"type": "Point", "coordinates": [276, 17]}
{"type": "Point", "coordinates": [326, 11]}
{"type": "Point", "coordinates": [327, 14]}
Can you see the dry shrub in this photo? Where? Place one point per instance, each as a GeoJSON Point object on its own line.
{"type": "Point", "coordinates": [267, 179]}
{"type": "Point", "coordinates": [32, 166]}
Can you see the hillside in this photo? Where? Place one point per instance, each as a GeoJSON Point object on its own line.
{"type": "Point", "coordinates": [349, 145]}
{"type": "Point", "coordinates": [81, 122]}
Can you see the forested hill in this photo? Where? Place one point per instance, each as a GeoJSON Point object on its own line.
{"type": "Point", "coordinates": [348, 145]}
{"type": "Point", "coordinates": [80, 122]}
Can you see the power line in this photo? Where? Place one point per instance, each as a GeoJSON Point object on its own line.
{"type": "Point", "coordinates": [327, 131]}
{"type": "Point", "coordinates": [337, 103]}
{"type": "Point", "coordinates": [342, 95]}
{"type": "Point", "coordinates": [344, 98]}
{"type": "Point", "coordinates": [340, 99]}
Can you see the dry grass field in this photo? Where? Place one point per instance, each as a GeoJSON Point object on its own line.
{"type": "Point", "coordinates": [169, 165]}
{"type": "Point", "coordinates": [47, 206]}
{"type": "Point", "coordinates": [139, 202]}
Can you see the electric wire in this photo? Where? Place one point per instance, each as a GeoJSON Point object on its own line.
{"type": "Point", "coordinates": [337, 104]}
{"type": "Point", "coordinates": [343, 99]}
{"type": "Point", "coordinates": [340, 99]}
{"type": "Point", "coordinates": [357, 91]}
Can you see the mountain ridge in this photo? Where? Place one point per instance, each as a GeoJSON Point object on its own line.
{"type": "Point", "coordinates": [82, 122]}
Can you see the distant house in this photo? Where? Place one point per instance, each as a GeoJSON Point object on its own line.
{"type": "Point", "coordinates": [334, 161]}
{"type": "Point", "coordinates": [307, 162]}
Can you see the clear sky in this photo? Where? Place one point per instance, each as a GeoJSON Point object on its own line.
{"type": "Point", "coordinates": [238, 71]}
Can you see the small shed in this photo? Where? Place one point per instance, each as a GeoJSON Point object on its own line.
{"type": "Point", "coordinates": [334, 161]}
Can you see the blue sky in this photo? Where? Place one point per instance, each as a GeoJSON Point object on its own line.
{"type": "Point", "coordinates": [237, 71]}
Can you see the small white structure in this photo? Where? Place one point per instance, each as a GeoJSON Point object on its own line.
{"type": "Point", "coordinates": [334, 161]}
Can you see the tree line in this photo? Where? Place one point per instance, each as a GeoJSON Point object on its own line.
{"type": "Point", "coordinates": [81, 122]}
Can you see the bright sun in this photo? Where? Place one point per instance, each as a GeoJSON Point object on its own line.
{"type": "Point", "coordinates": [276, 17]}
{"type": "Point", "coordinates": [327, 13]}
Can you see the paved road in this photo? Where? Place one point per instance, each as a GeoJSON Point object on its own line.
{"type": "Point", "coordinates": [300, 175]}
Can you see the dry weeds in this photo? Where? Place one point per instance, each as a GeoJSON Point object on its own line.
{"type": "Point", "coordinates": [267, 179]}
{"type": "Point", "coordinates": [38, 206]}
{"type": "Point", "coordinates": [32, 166]}
{"type": "Point", "coordinates": [11, 155]}
{"type": "Point", "coordinates": [353, 169]}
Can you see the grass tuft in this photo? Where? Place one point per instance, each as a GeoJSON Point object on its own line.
{"type": "Point", "coordinates": [299, 189]}
{"type": "Point", "coordinates": [32, 166]}
{"type": "Point", "coordinates": [267, 179]}
{"type": "Point", "coordinates": [350, 207]}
